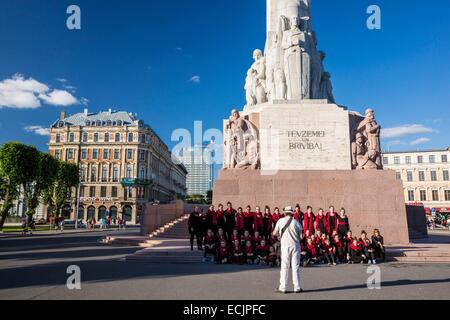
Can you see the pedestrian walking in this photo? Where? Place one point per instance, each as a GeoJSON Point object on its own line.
{"type": "Point", "coordinates": [290, 233]}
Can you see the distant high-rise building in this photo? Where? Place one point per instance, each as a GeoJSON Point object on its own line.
{"type": "Point", "coordinates": [198, 162]}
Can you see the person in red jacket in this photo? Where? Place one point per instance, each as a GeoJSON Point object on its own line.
{"type": "Point", "coordinates": [348, 239]}
{"type": "Point", "coordinates": [245, 237]}
{"type": "Point", "coordinates": [267, 223]}
{"type": "Point", "coordinates": [321, 222]}
{"type": "Point", "coordinates": [240, 221]}
{"type": "Point", "coordinates": [235, 236]}
{"type": "Point", "coordinates": [272, 258]}
{"type": "Point", "coordinates": [221, 236]}
{"type": "Point", "coordinates": [339, 248]}
{"type": "Point", "coordinates": [298, 214]}
{"type": "Point", "coordinates": [219, 218]}
{"type": "Point", "coordinates": [262, 252]}
{"type": "Point", "coordinates": [238, 254]}
{"type": "Point", "coordinates": [332, 223]}
{"type": "Point", "coordinates": [308, 220]}
{"type": "Point", "coordinates": [223, 254]}
{"type": "Point", "coordinates": [276, 216]}
{"type": "Point", "coordinates": [356, 253]}
{"type": "Point", "coordinates": [312, 253]}
{"type": "Point", "coordinates": [230, 220]}
{"type": "Point", "coordinates": [328, 252]}
{"type": "Point", "coordinates": [367, 247]}
{"type": "Point", "coordinates": [249, 219]}
{"type": "Point", "coordinates": [258, 222]}
{"type": "Point", "coordinates": [210, 218]}
{"type": "Point", "coordinates": [256, 239]}
{"type": "Point", "coordinates": [249, 252]}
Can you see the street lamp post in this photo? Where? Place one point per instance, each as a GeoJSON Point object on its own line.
{"type": "Point", "coordinates": [78, 201]}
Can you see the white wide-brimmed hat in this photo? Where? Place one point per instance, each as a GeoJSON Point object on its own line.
{"type": "Point", "coordinates": [288, 209]}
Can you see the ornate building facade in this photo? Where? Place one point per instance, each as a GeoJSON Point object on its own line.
{"type": "Point", "coordinates": [123, 164]}
{"type": "Point", "coordinates": [425, 175]}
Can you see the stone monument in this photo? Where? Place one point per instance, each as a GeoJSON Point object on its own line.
{"type": "Point", "coordinates": [293, 144]}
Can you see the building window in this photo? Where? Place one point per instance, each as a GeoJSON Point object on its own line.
{"type": "Point", "coordinates": [143, 138]}
{"type": "Point", "coordinates": [398, 175]}
{"type": "Point", "coordinates": [57, 154]}
{"type": "Point", "coordinates": [421, 175]}
{"type": "Point", "coordinates": [116, 154]}
{"type": "Point", "coordinates": [432, 159]}
{"type": "Point", "coordinates": [117, 137]}
{"type": "Point", "coordinates": [419, 159]}
{"type": "Point", "coordinates": [142, 174]}
{"type": "Point", "coordinates": [447, 195]}
{"type": "Point", "coordinates": [69, 154]}
{"type": "Point", "coordinates": [103, 192]}
{"type": "Point", "coordinates": [83, 154]}
{"type": "Point", "coordinates": [409, 176]}
{"type": "Point", "coordinates": [444, 158]}
{"type": "Point", "coordinates": [445, 175]}
{"type": "Point", "coordinates": [435, 195]}
{"type": "Point", "coordinates": [385, 160]}
{"type": "Point", "coordinates": [411, 195]}
{"type": "Point", "coordinates": [71, 137]}
{"type": "Point", "coordinates": [82, 191]}
{"type": "Point", "coordinates": [129, 172]}
{"type": "Point", "coordinates": [92, 192]}
{"type": "Point", "coordinates": [130, 137]}
{"type": "Point", "coordinates": [85, 136]}
{"type": "Point", "coordinates": [142, 155]}
{"type": "Point", "coordinates": [95, 154]}
{"type": "Point", "coordinates": [106, 137]}
{"type": "Point", "coordinates": [58, 138]}
{"type": "Point", "coordinates": [129, 154]}
{"type": "Point", "coordinates": [423, 195]}
{"type": "Point", "coordinates": [96, 137]}
{"type": "Point", "coordinates": [433, 176]}
{"type": "Point", "coordinates": [408, 159]}
{"type": "Point", "coordinates": [83, 174]}
{"type": "Point", "coordinates": [114, 192]}
{"type": "Point", "coordinates": [106, 154]}
{"type": "Point", "coordinates": [115, 174]}
{"type": "Point", "coordinates": [396, 160]}
{"type": "Point", "coordinates": [105, 173]}
{"type": "Point", "coordinates": [93, 174]}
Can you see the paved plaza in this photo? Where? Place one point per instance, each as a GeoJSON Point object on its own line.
{"type": "Point", "coordinates": [35, 268]}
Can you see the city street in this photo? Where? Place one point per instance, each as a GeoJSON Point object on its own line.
{"type": "Point", "coordinates": [35, 268]}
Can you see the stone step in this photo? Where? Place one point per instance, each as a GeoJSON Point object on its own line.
{"type": "Point", "coordinates": [422, 259]}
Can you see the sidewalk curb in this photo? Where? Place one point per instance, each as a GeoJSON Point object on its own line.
{"type": "Point", "coordinates": [59, 233]}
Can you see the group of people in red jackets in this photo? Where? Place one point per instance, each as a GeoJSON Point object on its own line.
{"type": "Point", "coordinates": [245, 236]}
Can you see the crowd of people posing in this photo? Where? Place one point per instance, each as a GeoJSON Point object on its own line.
{"type": "Point", "coordinates": [245, 237]}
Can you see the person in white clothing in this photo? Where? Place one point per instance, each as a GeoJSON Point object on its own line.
{"type": "Point", "coordinates": [290, 233]}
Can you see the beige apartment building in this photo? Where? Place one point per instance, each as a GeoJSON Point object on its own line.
{"type": "Point", "coordinates": [123, 164]}
{"type": "Point", "coordinates": [425, 176]}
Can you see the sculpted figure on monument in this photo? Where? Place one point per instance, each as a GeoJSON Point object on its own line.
{"type": "Point", "coordinates": [241, 143]}
{"type": "Point", "coordinates": [366, 149]}
{"type": "Point", "coordinates": [255, 83]}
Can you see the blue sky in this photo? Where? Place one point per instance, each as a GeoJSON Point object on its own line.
{"type": "Point", "coordinates": [175, 62]}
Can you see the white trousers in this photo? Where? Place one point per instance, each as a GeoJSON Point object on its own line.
{"type": "Point", "coordinates": [290, 257]}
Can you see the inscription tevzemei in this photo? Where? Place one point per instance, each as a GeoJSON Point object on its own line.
{"type": "Point", "coordinates": [305, 144]}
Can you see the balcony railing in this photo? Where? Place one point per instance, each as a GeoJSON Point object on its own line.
{"type": "Point", "coordinates": [131, 182]}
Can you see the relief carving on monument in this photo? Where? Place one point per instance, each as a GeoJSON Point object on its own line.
{"type": "Point", "coordinates": [255, 83]}
{"type": "Point", "coordinates": [241, 143]}
{"type": "Point", "coordinates": [366, 148]}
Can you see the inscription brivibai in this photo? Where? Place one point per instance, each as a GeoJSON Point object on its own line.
{"type": "Point", "coordinates": [305, 143]}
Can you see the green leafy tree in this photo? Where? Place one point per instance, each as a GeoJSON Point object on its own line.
{"type": "Point", "coordinates": [17, 168]}
{"type": "Point", "coordinates": [60, 191]}
{"type": "Point", "coordinates": [46, 170]}
{"type": "Point", "coordinates": [209, 196]}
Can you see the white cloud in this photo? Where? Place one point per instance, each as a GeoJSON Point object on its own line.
{"type": "Point", "coordinates": [20, 93]}
{"type": "Point", "coordinates": [405, 130]}
{"type": "Point", "coordinates": [59, 98]}
{"type": "Point", "coordinates": [393, 143]}
{"type": "Point", "coordinates": [420, 141]}
{"type": "Point", "coordinates": [39, 130]}
{"type": "Point", "coordinates": [84, 101]}
{"type": "Point", "coordinates": [62, 80]}
{"type": "Point", "coordinates": [195, 79]}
